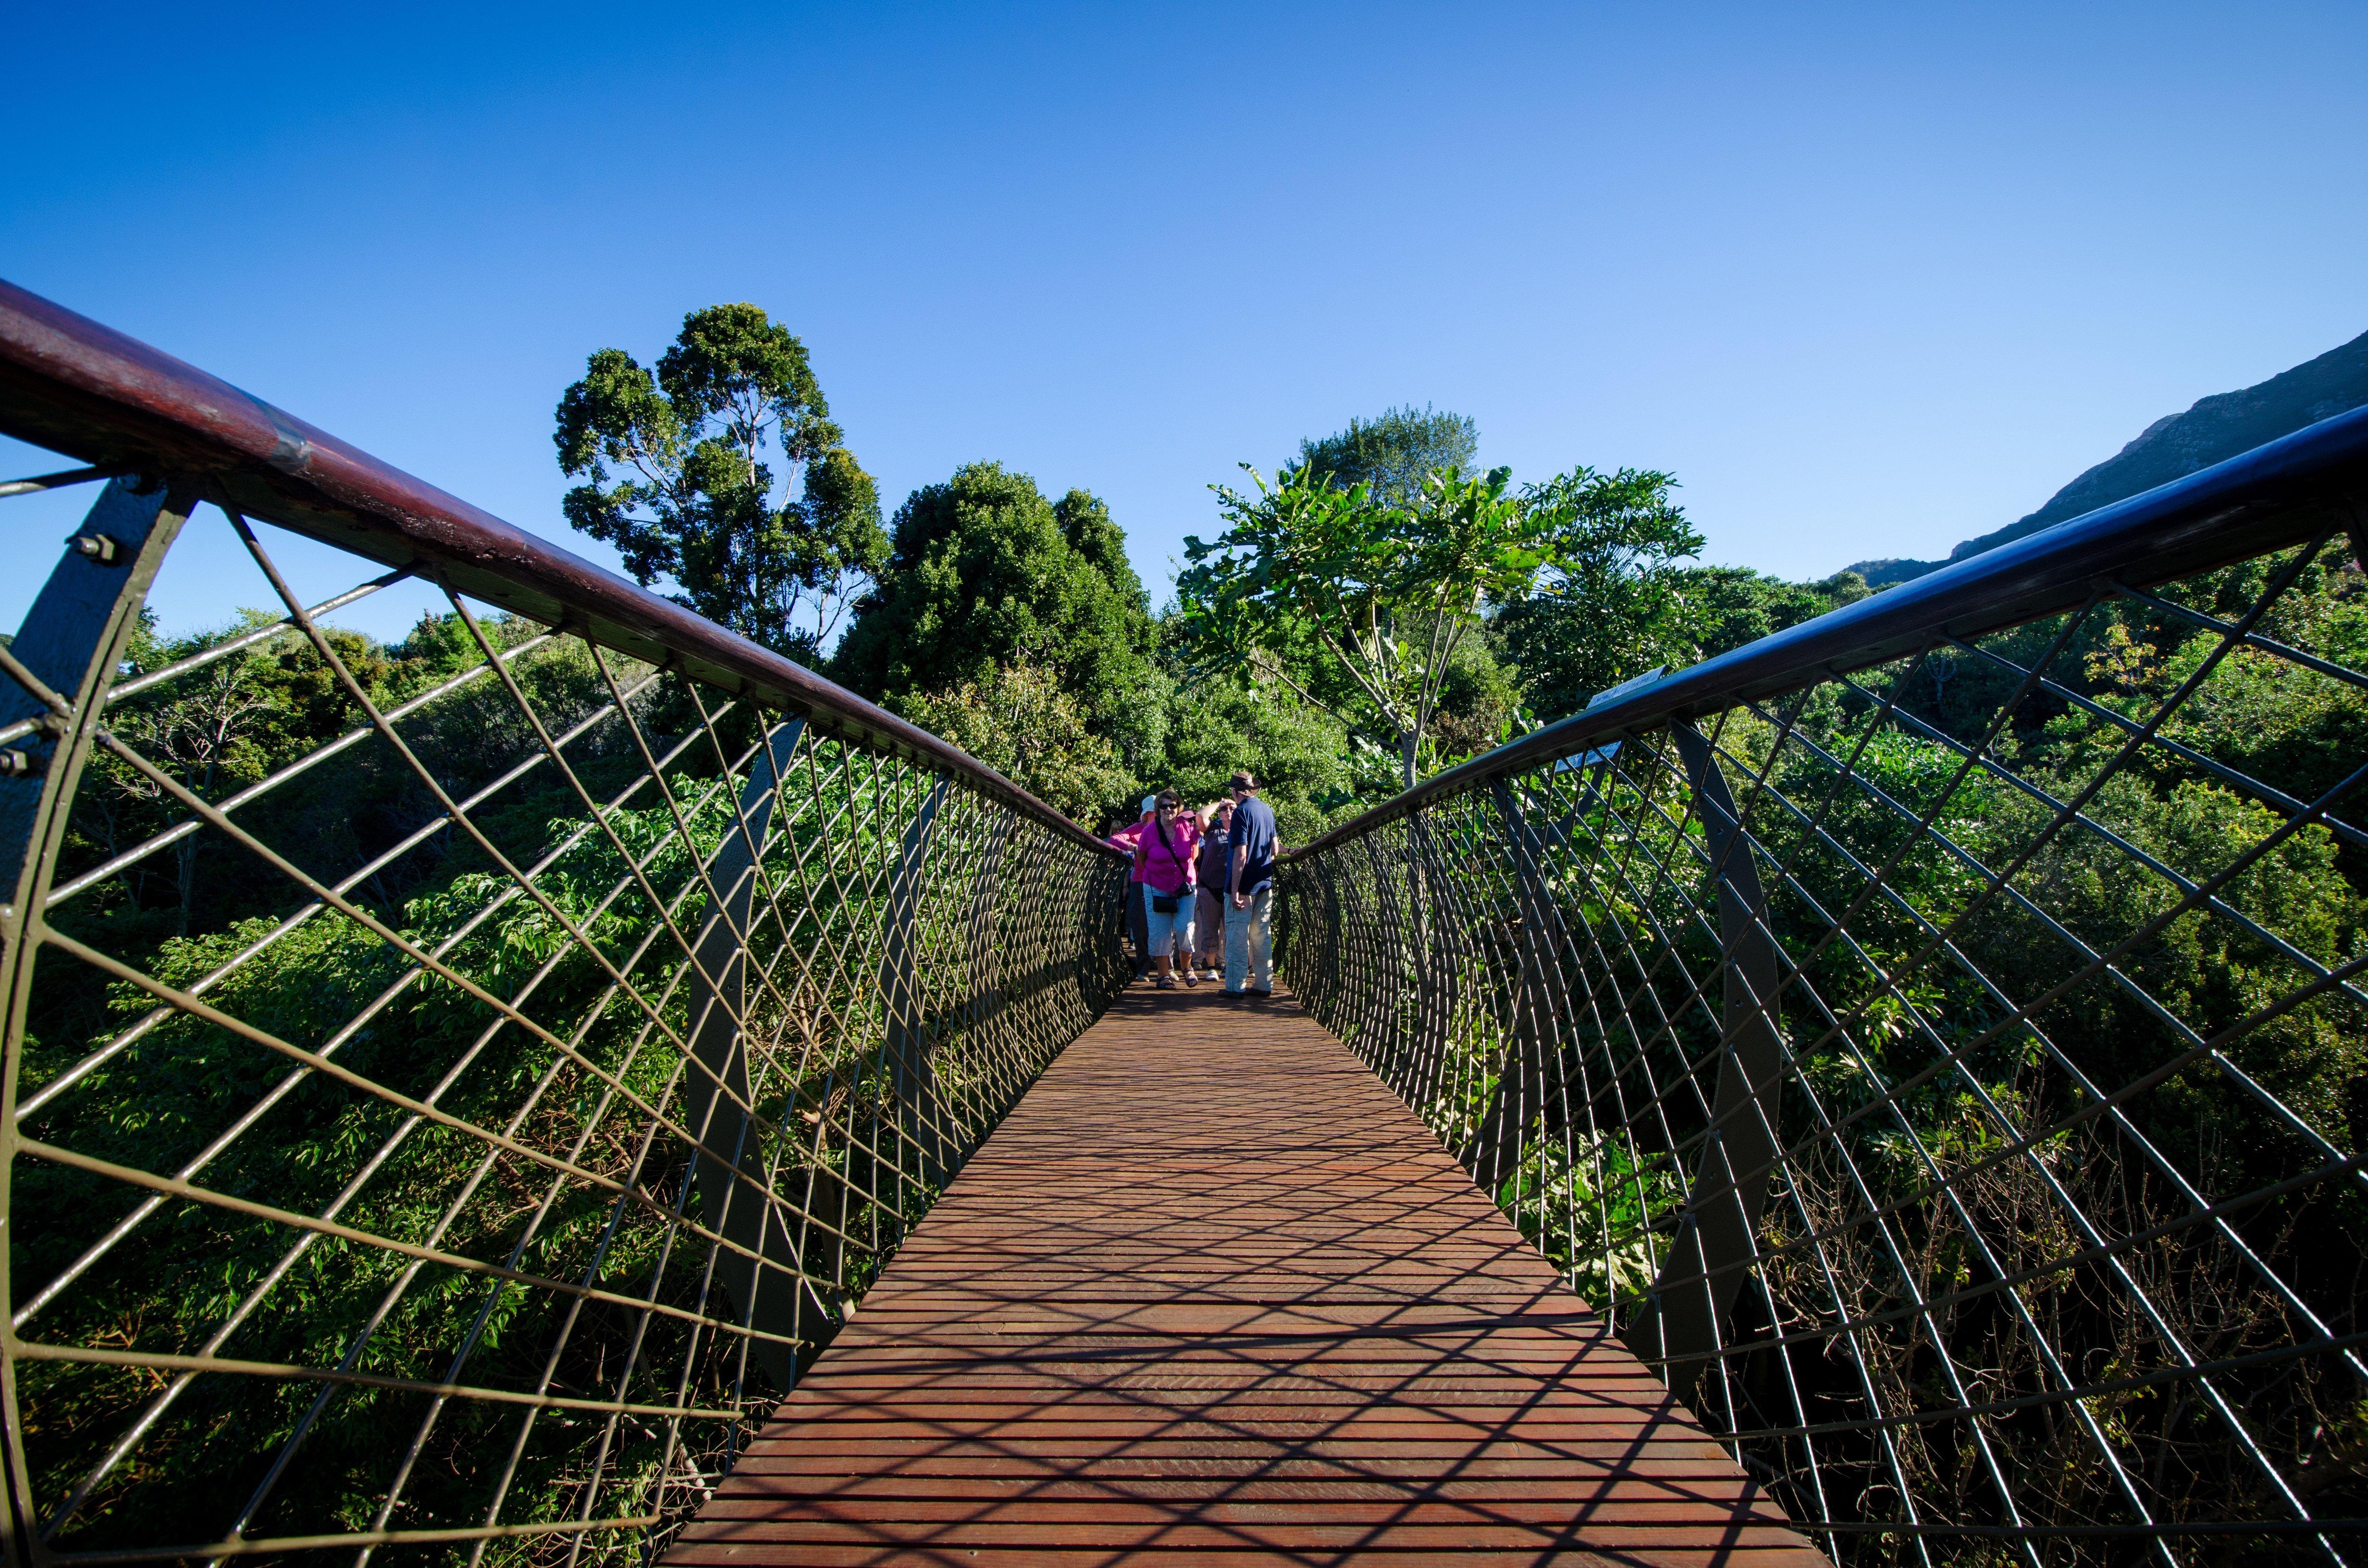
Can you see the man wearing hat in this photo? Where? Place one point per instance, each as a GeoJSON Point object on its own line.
{"type": "Point", "coordinates": [1249, 888]}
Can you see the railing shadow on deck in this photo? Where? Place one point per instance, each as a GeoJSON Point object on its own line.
{"type": "Point", "coordinates": [1931, 1032]}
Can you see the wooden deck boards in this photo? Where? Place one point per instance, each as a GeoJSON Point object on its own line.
{"type": "Point", "coordinates": [1211, 1294]}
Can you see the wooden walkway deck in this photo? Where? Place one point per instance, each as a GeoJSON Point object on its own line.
{"type": "Point", "coordinates": [1211, 1295]}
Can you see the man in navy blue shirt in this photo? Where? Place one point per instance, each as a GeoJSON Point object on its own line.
{"type": "Point", "coordinates": [1249, 890]}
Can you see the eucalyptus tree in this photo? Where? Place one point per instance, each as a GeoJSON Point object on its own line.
{"type": "Point", "coordinates": [723, 474]}
{"type": "Point", "coordinates": [1395, 453]}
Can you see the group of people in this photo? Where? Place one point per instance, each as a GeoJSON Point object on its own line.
{"type": "Point", "coordinates": [1202, 893]}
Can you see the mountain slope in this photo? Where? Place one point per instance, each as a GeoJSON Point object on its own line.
{"type": "Point", "coordinates": [2177, 445]}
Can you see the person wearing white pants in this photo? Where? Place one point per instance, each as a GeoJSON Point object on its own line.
{"type": "Point", "coordinates": [1249, 944]}
{"type": "Point", "coordinates": [1249, 901]}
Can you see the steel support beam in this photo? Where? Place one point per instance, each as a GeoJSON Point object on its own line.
{"type": "Point", "coordinates": [71, 644]}
{"type": "Point", "coordinates": [921, 1116]}
{"type": "Point", "coordinates": [766, 1297]}
{"type": "Point", "coordinates": [1687, 1310]}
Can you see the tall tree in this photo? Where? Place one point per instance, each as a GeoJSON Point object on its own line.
{"type": "Point", "coordinates": [985, 575]}
{"type": "Point", "coordinates": [1394, 454]}
{"type": "Point", "coordinates": [680, 469]}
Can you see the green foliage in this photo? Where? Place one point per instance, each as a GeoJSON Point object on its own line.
{"type": "Point", "coordinates": [985, 574]}
{"type": "Point", "coordinates": [1636, 606]}
{"type": "Point", "coordinates": [1481, 702]}
{"type": "Point", "coordinates": [252, 712]}
{"type": "Point", "coordinates": [1616, 605]}
{"type": "Point", "coordinates": [1299, 754]}
{"type": "Point", "coordinates": [313, 1142]}
{"type": "Point", "coordinates": [1593, 1208]}
{"type": "Point", "coordinates": [680, 478]}
{"type": "Point", "coordinates": [1947, 1138]}
{"type": "Point", "coordinates": [297, 1101]}
{"type": "Point", "coordinates": [1024, 723]}
{"type": "Point", "coordinates": [1728, 607]}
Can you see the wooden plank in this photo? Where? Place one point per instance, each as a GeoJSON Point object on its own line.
{"type": "Point", "coordinates": [1211, 1294]}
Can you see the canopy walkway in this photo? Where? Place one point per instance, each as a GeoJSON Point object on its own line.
{"type": "Point", "coordinates": [1211, 1294]}
{"type": "Point", "coordinates": [577, 1087]}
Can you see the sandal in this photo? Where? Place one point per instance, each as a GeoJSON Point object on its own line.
{"type": "Point", "coordinates": [1192, 979]}
{"type": "Point", "coordinates": [1167, 983]}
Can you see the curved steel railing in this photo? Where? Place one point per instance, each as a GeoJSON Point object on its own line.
{"type": "Point", "coordinates": [1934, 1032]}
{"type": "Point", "coordinates": [451, 1088]}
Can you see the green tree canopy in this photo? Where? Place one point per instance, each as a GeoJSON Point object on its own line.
{"type": "Point", "coordinates": [1299, 754]}
{"type": "Point", "coordinates": [1611, 604]}
{"type": "Point", "coordinates": [1733, 605]}
{"type": "Point", "coordinates": [986, 574]}
{"type": "Point", "coordinates": [1022, 722]}
{"type": "Point", "coordinates": [1645, 608]}
{"type": "Point", "coordinates": [1391, 455]}
{"type": "Point", "coordinates": [681, 477]}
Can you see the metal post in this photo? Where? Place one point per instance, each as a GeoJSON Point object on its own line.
{"type": "Point", "coordinates": [1716, 1234]}
{"type": "Point", "coordinates": [720, 1043]}
{"type": "Point", "coordinates": [914, 1085]}
{"type": "Point", "coordinates": [1530, 1078]}
{"type": "Point", "coordinates": [73, 640]}
{"type": "Point", "coordinates": [73, 644]}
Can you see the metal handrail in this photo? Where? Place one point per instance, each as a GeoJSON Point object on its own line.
{"type": "Point", "coordinates": [77, 387]}
{"type": "Point", "coordinates": [2275, 495]}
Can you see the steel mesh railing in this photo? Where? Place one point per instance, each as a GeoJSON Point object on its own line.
{"type": "Point", "coordinates": [1936, 1034]}
{"type": "Point", "coordinates": [451, 1090]}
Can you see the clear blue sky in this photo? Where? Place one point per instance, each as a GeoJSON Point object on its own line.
{"type": "Point", "coordinates": [1869, 280]}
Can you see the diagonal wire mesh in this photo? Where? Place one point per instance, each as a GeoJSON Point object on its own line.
{"type": "Point", "coordinates": [454, 1088]}
{"type": "Point", "coordinates": [1944, 1065]}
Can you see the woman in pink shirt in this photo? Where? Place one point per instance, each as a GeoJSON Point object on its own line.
{"type": "Point", "coordinates": [1163, 856]}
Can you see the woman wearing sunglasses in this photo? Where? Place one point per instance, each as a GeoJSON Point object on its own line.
{"type": "Point", "coordinates": [1163, 861]}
